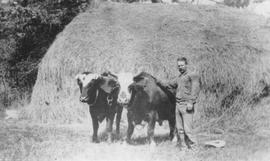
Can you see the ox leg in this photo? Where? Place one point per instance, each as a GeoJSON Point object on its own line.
{"type": "Point", "coordinates": [130, 127]}
{"type": "Point", "coordinates": [95, 128]}
{"type": "Point", "coordinates": [151, 127]}
{"type": "Point", "coordinates": [118, 119]}
{"type": "Point", "coordinates": [109, 127]}
{"type": "Point", "coordinates": [172, 128]}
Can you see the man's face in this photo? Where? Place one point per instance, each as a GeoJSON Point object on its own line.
{"type": "Point", "coordinates": [182, 67]}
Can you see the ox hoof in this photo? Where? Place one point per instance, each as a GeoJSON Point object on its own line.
{"type": "Point", "coordinates": [117, 136]}
{"type": "Point", "coordinates": [95, 140]}
{"type": "Point", "coordinates": [125, 143]}
{"type": "Point", "coordinates": [109, 141]}
{"type": "Point", "coordinates": [110, 138]}
{"type": "Point", "coordinates": [153, 144]}
{"type": "Point", "coordinates": [174, 139]}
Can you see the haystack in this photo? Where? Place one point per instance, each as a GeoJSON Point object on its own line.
{"type": "Point", "coordinates": [227, 47]}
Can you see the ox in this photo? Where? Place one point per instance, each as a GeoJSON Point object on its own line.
{"type": "Point", "coordinates": [151, 102]}
{"type": "Point", "coordinates": [124, 79]}
{"type": "Point", "coordinates": [100, 92]}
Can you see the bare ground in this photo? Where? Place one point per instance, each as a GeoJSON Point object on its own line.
{"type": "Point", "coordinates": [24, 141]}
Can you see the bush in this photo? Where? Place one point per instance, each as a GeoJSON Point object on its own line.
{"type": "Point", "coordinates": [26, 32]}
{"type": "Point", "coordinates": [237, 3]}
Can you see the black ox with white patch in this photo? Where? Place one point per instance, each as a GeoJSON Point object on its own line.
{"type": "Point", "coordinates": [100, 92]}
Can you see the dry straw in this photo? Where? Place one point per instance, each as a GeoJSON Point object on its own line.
{"type": "Point", "coordinates": [227, 47]}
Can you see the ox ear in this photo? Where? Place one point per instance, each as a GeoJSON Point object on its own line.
{"type": "Point", "coordinates": [134, 87]}
{"type": "Point", "coordinates": [137, 78]}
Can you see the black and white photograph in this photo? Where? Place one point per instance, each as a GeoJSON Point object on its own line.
{"type": "Point", "coordinates": [134, 80]}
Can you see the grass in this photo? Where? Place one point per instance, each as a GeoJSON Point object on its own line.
{"type": "Point", "coordinates": [247, 139]}
{"type": "Point", "coordinates": [39, 142]}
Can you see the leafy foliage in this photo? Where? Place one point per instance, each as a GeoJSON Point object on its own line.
{"type": "Point", "coordinates": [26, 31]}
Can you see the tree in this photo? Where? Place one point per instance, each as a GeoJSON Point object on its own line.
{"type": "Point", "coordinates": [26, 31]}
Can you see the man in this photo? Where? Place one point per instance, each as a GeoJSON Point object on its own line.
{"type": "Point", "coordinates": [186, 97]}
{"type": "Point", "coordinates": [187, 85]}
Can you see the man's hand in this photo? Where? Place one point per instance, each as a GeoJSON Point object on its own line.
{"type": "Point", "coordinates": [189, 106]}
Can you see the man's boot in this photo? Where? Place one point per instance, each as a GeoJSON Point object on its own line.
{"type": "Point", "coordinates": [187, 139]}
{"type": "Point", "coordinates": [188, 142]}
{"type": "Point", "coordinates": [181, 141]}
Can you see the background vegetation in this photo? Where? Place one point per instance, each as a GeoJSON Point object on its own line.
{"type": "Point", "coordinates": [27, 29]}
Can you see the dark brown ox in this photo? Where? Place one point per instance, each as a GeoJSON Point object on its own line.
{"type": "Point", "coordinates": [100, 92]}
{"type": "Point", "coordinates": [151, 102]}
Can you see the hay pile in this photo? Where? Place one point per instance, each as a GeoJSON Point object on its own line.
{"type": "Point", "coordinates": [227, 47]}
